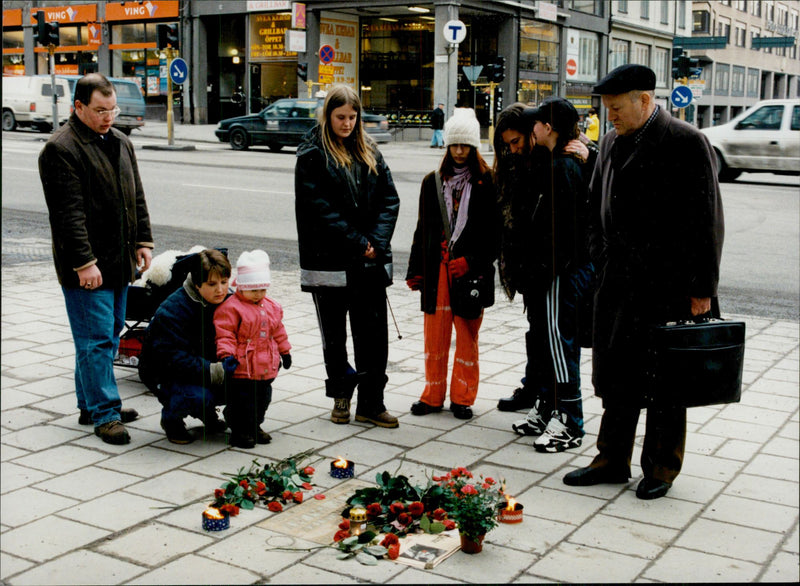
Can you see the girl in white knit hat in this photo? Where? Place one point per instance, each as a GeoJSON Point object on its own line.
{"type": "Point", "coordinates": [252, 344]}
{"type": "Point", "coordinates": [456, 241]}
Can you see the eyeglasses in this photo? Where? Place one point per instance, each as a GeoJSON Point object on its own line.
{"type": "Point", "coordinates": [103, 113]}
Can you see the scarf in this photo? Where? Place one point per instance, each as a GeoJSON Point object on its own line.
{"type": "Point", "coordinates": [458, 184]}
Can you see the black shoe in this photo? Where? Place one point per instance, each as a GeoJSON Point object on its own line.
{"type": "Point", "coordinates": [590, 476]}
{"type": "Point", "coordinates": [262, 437]}
{"type": "Point", "coordinates": [651, 488]}
{"type": "Point", "coordinates": [215, 425]}
{"type": "Point", "coordinates": [242, 441]}
{"type": "Point", "coordinates": [521, 399]}
{"type": "Point", "coordinates": [176, 432]}
{"type": "Point", "coordinates": [461, 411]}
{"type": "Point", "coordinates": [420, 408]}
{"type": "Point", "coordinates": [125, 415]}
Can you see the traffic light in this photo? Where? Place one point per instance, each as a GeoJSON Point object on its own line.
{"type": "Point", "coordinates": [498, 101]}
{"type": "Point", "coordinates": [677, 53]}
{"type": "Point", "coordinates": [302, 71]}
{"type": "Point", "coordinates": [167, 35]}
{"type": "Point", "coordinates": [40, 30]}
{"type": "Point", "coordinates": [497, 70]}
{"type": "Point", "coordinates": [52, 33]}
{"type": "Point", "coordinates": [683, 65]}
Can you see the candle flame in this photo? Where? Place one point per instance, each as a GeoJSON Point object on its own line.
{"type": "Point", "coordinates": [512, 503]}
{"type": "Point", "coordinates": [340, 463]}
{"type": "Point", "coordinates": [213, 513]}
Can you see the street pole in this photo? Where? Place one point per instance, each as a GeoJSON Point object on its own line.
{"type": "Point", "coordinates": [170, 134]}
{"type": "Point", "coordinates": [51, 50]}
{"type": "Point", "coordinates": [682, 113]}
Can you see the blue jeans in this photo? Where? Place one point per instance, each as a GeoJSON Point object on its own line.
{"type": "Point", "coordinates": [438, 138]}
{"type": "Point", "coordinates": [96, 318]}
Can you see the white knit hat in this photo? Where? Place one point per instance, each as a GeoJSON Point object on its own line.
{"type": "Point", "coordinates": [463, 128]}
{"type": "Point", "coordinates": [252, 270]}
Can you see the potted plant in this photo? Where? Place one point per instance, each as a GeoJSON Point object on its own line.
{"type": "Point", "coordinates": [472, 503]}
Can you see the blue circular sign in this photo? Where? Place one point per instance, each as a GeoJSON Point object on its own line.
{"type": "Point", "coordinates": [178, 70]}
{"type": "Point", "coordinates": [681, 96]}
{"type": "Point", "coordinates": [326, 54]}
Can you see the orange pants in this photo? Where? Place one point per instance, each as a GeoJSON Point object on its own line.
{"type": "Point", "coordinates": [438, 332]}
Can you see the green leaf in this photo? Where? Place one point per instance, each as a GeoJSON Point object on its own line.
{"type": "Point", "coordinates": [366, 559]}
{"type": "Point", "coordinates": [425, 523]}
{"type": "Point", "coordinates": [366, 537]}
{"type": "Point", "coordinates": [247, 505]}
{"type": "Point", "coordinates": [348, 541]}
{"type": "Point", "coordinates": [436, 527]}
{"type": "Point", "coordinates": [377, 550]}
{"type": "Point", "coordinates": [296, 479]}
{"type": "Point", "coordinates": [239, 491]}
{"type": "Point", "coordinates": [344, 556]}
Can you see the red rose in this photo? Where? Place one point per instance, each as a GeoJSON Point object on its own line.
{"type": "Point", "coordinates": [390, 539]}
{"type": "Point", "coordinates": [261, 488]}
{"type": "Point", "coordinates": [231, 509]}
{"type": "Point", "coordinates": [397, 508]}
{"type": "Point", "coordinates": [374, 509]}
{"type": "Point", "coordinates": [306, 485]}
{"type": "Point", "coordinates": [341, 534]}
{"type": "Point", "coordinates": [297, 497]}
{"type": "Point", "coordinates": [416, 509]}
{"type": "Point", "coordinates": [404, 518]}
{"type": "Point", "coordinates": [286, 495]}
{"type": "Point", "coordinates": [275, 507]}
{"type": "Point", "coordinates": [309, 470]}
{"type": "Point", "coordinates": [319, 496]}
{"type": "Point", "coordinates": [469, 489]}
{"type": "Point", "coordinates": [449, 524]}
{"type": "Point", "coordinates": [490, 480]}
{"type": "Point", "coordinates": [485, 486]}
{"type": "Point", "coordinates": [394, 551]}
{"type": "Point", "coordinates": [439, 514]}
{"type": "Point", "coordinates": [244, 484]}
{"type": "Point", "coordinates": [345, 525]}
{"type": "Point", "coordinates": [219, 493]}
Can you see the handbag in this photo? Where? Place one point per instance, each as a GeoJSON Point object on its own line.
{"type": "Point", "coordinates": [692, 364]}
{"type": "Point", "coordinates": [468, 295]}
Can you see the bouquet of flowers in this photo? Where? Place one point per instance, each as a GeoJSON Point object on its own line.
{"type": "Point", "coordinates": [274, 484]}
{"type": "Point", "coordinates": [470, 502]}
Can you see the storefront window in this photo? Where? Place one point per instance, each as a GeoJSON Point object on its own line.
{"type": "Point", "coordinates": [538, 47]}
{"type": "Point", "coordinates": [532, 92]}
{"type": "Point", "coordinates": [13, 63]}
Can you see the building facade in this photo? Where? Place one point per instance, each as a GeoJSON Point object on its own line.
{"type": "Point", "coordinates": [742, 73]}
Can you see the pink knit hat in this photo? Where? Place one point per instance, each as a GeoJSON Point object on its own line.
{"type": "Point", "coordinates": [252, 270]}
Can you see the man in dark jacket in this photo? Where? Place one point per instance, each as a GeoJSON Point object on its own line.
{"type": "Point", "coordinates": [656, 232]}
{"type": "Point", "coordinates": [101, 234]}
{"type": "Point", "coordinates": [437, 124]}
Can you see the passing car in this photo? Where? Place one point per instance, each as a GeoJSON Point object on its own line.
{"type": "Point", "coordinates": [763, 139]}
{"type": "Point", "coordinates": [284, 123]}
{"type": "Point", "coordinates": [28, 102]}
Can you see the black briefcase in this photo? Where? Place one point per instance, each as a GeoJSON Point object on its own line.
{"type": "Point", "coordinates": [695, 364]}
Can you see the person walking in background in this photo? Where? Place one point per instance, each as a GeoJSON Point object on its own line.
{"type": "Point", "coordinates": [554, 272]}
{"type": "Point", "coordinates": [592, 126]}
{"type": "Point", "coordinates": [101, 235]}
{"type": "Point", "coordinates": [656, 233]}
{"type": "Point", "coordinates": [465, 248]}
{"type": "Point", "coordinates": [346, 208]}
{"type": "Point", "coordinates": [252, 343]}
{"type": "Point", "coordinates": [437, 123]}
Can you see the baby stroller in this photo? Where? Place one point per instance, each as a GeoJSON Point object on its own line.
{"type": "Point", "coordinates": [144, 297]}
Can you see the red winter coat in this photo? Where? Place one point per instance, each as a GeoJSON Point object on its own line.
{"type": "Point", "coordinates": [254, 334]}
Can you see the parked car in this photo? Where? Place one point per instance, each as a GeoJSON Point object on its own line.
{"type": "Point", "coordinates": [28, 101]}
{"type": "Point", "coordinates": [284, 123]}
{"type": "Point", "coordinates": [764, 138]}
{"type": "Point", "coordinates": [129, 99]}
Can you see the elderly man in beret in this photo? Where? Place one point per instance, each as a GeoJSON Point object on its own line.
{"type": "Point", "coordinates": [656, 232]}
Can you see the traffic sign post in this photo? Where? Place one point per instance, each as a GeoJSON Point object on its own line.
{"type": "Point", "coordinates": [681, 97]}
{"type": "Point", "coordinates": [177, 72]}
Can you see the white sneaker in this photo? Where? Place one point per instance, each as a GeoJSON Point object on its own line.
{"type": "Point", "coordinates": [557, 437]}
{"type": "Point", "coordinates": [534, 423]}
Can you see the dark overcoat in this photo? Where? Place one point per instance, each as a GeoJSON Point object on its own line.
{"type": "Point", "coordinates": [656, 232]}
{"type": "Point", "coordinates": [96, 202]}
{"type": "Point", "coordinates": [479, 242]}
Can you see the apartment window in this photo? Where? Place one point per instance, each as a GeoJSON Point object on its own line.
{"type": "Point", "coordinates": [682, 14]}
{"type": "Point", "coordinates": [755, 7]}
{"type": "Point", "coordinates": [589, 51]}
{"type": "Point", "coordinates": [741, 35]}
{"type": "Point", "coordinates": [754, 34]}
{"type": "Point", "coordinates": [722, 76]}
{"type": "Point", "coordinates": [665, 11]}
{"type": "Point", "coordinates": [620, 53]}
{"type": "Point", "coordinates": [645, 10]}
{"type": "Point", "coordinates": [538, 45]}
{"type": "Point", "coordinates": [588, 6]}
{"type": "Point", "coordinates": [737, 80]}
{"type": "Point", "coordinates": [642, 54]}
{"type": "Point", "coordinates": [701, 21]}
{"type": "Point", "coordinates": [753, 77]}
{"type": "Point", "coordinates": [725, 2]}
{"type": "Point", "coordinates": [769, 11]}
{"type": "Point", "coordinates": [662, 65]}
{"type": "Point", "coordinates": [622, 6]}
{"type": "Point", "coordinates": [724, 29]}
{"type": "Point", "coordinates": [741, 5]}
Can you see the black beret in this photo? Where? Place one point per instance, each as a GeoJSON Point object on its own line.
{"type": "Point", "coordinates": [626, 78]}
{"type": "Point", "coordinates": [557, 112]}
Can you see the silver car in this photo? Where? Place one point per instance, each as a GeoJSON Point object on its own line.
{"type": "Point", "coordinates": [765, 138]}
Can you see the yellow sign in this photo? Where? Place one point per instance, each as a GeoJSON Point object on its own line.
{"type": "Point", "coordinates": [267, 37]}
{"type": "Point", "coordinates": [325, 78]}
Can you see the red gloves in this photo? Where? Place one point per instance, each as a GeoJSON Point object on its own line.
{"type": "Point", "coordinates": [414, 283]}
{"type": "Point", "coordinates": [458, 267]}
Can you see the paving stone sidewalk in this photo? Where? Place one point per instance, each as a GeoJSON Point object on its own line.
{"type": "Point", "coordinates": [74, 510]}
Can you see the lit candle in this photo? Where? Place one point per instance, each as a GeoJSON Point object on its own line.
{"type": "Point", "coordinates": [342, 468]}
{"type": "Point", "coordinates": [512, 512]}
{"type": "Point", "coordinates": [358, 520]}
{"type": "Point", "coordinates": [215, 520]}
